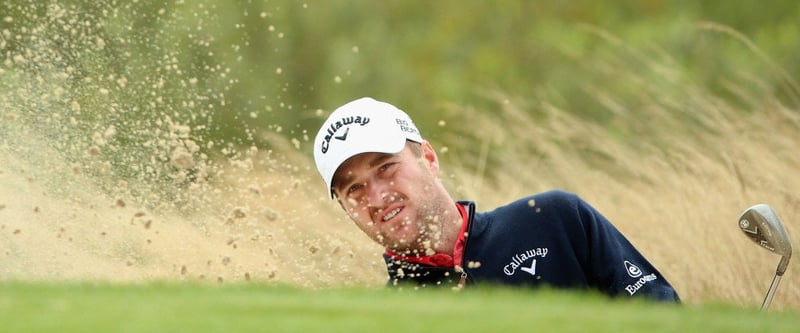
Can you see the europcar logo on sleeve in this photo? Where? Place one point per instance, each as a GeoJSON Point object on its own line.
{"type": "Point", "coordinates": [335, 126]}
{"type": "Point", "coordinates": [635, 272]}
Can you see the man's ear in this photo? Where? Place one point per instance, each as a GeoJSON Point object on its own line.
{"type": "Point", "coordinates": [429, 156]}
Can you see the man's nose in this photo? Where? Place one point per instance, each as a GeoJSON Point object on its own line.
{"type": "Point", "coordinates": [377, 192]}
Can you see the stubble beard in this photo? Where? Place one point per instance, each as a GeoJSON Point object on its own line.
{"type": "Point", "coordinates": [425, 233]}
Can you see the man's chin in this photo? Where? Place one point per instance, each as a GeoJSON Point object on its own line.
{"type": "Point", "coordinates": [407, 252]}
{"type": "Point", "coordinates": [405, 241]}
{"type": "Point", "coordinates": [409, 249]}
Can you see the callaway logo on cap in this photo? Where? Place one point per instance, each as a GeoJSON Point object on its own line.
{"type": "Point", "coordinates": [361, 126]}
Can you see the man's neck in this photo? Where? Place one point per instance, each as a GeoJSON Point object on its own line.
{"type": "Point", "coordinates": [443, 241]}
{"type": "Point", "coordinates": [449, 255]}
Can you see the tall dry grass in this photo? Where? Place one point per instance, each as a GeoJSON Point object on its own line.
{"type": "Point", "coordinates": [675, 193]}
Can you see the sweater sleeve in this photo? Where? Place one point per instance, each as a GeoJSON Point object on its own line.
{"type": "Point", "coordinates": [613, 264]}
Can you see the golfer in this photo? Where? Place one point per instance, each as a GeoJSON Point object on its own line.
{"type": "Point", "coordinates": [375, 162]}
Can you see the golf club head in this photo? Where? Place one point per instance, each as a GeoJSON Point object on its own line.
{"type": "Point", "coordinates": [761, 224]}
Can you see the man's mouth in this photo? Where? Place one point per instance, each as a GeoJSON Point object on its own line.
{"type": "Point", "coordinates": [391, 214]}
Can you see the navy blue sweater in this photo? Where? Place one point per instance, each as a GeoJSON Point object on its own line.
{"type": "Point", "coordinates": [552, 238]}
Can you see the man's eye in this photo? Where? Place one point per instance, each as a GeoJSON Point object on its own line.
{"type": "Point", "coordinates": [353, 188]}
{"type": "Point", "coordinates": [385, 167]}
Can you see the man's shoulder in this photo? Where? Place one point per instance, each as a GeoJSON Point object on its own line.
{"type": "Point", "coordinates": [552, 205]}
{"type": "Point", "coordinates": [546, 197]}
{"type": "Point", "coordinates": [549, 199]}
{"type": "Point", "coordinates": [544, 205]}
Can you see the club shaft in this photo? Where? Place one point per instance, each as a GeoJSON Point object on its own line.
{"type": "Point", "coordinates": [771, 292]}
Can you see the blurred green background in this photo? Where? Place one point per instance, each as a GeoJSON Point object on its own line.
{"type": "Point", "coordinates": [234, 70]}
{"type": "Point", "coordinates": [671, 115]}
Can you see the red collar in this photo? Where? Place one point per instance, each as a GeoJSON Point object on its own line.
{"type": "Point", "coordinates": [442, 259]}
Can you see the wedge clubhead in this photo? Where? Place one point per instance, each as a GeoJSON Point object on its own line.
{"type": "Point", "coordinates": [761, 224]}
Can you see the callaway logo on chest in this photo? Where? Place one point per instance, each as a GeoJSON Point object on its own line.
{"type": "Point", "coordinates": [518, 261]}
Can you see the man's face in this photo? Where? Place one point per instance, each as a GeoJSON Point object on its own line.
{"type": "Point", "coordinates": [394, 198]}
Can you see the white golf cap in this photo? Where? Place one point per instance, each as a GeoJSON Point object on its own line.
{"type": "Point", "coordinates": [361, 126]}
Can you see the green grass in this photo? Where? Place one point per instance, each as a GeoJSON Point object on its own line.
{"type": "Point", "coordinates": [30, 307]}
